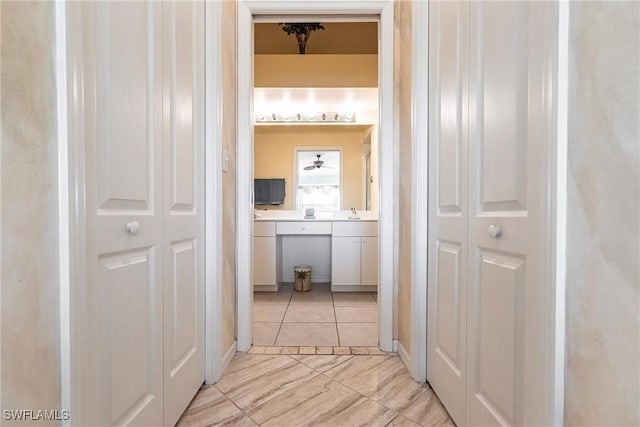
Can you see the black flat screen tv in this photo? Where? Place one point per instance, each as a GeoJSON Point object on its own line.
{"type": "Point", "coordinates": [268, 191]}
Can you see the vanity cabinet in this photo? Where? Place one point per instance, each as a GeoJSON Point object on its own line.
{"type": "Point", "coordinates": [264, 254]}
{"type": "Point", "coordinates": [354, 256]}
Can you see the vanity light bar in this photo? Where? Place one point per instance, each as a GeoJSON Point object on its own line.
{"type": "Point", "coordinates": [328, 117]}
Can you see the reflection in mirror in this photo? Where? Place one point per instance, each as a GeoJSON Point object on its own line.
{"type": "Point", "coordinates": [318, 180]}
{"type": "Point", "coordinates": [284, 151]}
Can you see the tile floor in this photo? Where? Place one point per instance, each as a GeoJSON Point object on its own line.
{"type": "Point", "coordinates": [312, 390]}
{"type": "Point", "coordinates": [315, 318]}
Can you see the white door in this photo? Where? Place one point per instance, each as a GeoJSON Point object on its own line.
{"type": "Point", "coordinates": [510, 131]}
{"type": "Point", "coordinates": [183, 245]}
{"type": "Point", "coordinates": [123, 141]}
{"type": "Point", "coordinates": [345, 260]}
{"type": "Point", "coordinates": [369, 261]}
{"type": "Point", "coordinates": [448, 205]}
{"type": "Point", "coordinates": [488, 263]}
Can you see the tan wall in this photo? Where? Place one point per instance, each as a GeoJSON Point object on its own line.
{"type": "Point", "coordinates": [229, 57]}
{"type": "Point", "coordinates": [603, 279]}
{"type": "Point", "coordinates": [336, 38]}
{"type": "Point", "coordinates": [29, 304]}
{"type": "Point", "coordinates": [402, 92]}
{"type": "Point", "coordinates": [316, 70]}
{"type": "Point", "coordinates": [274, 156]}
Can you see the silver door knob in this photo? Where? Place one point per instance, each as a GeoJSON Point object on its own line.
{"type": "Point", "coordinates": [495, 231]}
{"type": "Point", "coordinates": [132, 227]}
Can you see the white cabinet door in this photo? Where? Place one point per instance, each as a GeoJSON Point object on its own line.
{"type": "Point", "coordinates": [264, 260]}
{"type": "Point", "coordinates": [183, 204]}
{"type": "Point", "coordinates": [345, 261]}
{"type": "Point", "coordinates": [447, 299]}
{"type": "Point", "coordinates": [369, 261]}
{"type": "Point", "coordinates": [122, 61]}
{"type": "Point", "coordinates": [510, 131]}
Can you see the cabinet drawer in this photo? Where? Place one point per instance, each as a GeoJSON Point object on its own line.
{"type": "Point", "coordinates": [300, 227]}
{"type": "Point", "coordinates": [262, 228]}
{"type": "Point", "coordinates": [360, 228]}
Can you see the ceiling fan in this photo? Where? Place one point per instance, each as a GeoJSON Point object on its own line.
{"type": "Point", "coordinates": [316, 164]}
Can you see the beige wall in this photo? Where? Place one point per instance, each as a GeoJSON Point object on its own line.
{"type": "Point", "coordinates": [603, 280]}
{"type": "Point", "coordinates": [336, 38]}
{"type": "Point", "coordinates": [274, 156]}
{"type": "Point", "coordinates": [229, 58]}
{"type": "Point", "coordinates": [402, 92]}
{"type": "Point", "coordinates": [316, 70]}
{"type": "Point", "coordinates": [29, 304]}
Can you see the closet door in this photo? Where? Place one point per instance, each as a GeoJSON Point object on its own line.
{"type": "Point", "coordinates": [122, 87]}
{"type": "Point", "coordinates": [183, 245]}
{"type": "Point", "coordinates": [510, 131]}
{"type": "Point", "coordinates": [447, 298]}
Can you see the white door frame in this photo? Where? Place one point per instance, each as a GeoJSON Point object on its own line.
{"type": "Point", "coordinates": [419, 187]}
{"type": "Point", "coordinates": [386, 150]}
{"type": "Point", "coordinates": [214, 363]}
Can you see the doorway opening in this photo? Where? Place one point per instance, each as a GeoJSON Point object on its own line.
{"type": "Point", "coordinates": [315, 243]}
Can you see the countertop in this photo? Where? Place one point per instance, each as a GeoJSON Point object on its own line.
{"type": "Point", "coordinates": [320, 216]}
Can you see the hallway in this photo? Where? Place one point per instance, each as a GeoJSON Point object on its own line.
{"type": "Point", "coordinates": [282, 390]}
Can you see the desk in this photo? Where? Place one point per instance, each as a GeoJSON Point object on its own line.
{"type": "Point", "coordinates": [343, 252]}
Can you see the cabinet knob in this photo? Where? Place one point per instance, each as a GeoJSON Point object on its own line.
{"type": "Point", "coordinates": [495, 231]}
{"type": "Point", "coordinates": [132, 227]}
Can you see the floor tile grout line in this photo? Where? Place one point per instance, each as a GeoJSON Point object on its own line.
{"type": "Point", "coordinates": [246, 412]}
{"type": "Point", "coordinates": [236, 405]}
{"type": "Point", "coordinates": [335, 317]}
{"type": "Point", "coordinates": [275, 339]}
{"type": "Point", "coordinates": [335, 355]}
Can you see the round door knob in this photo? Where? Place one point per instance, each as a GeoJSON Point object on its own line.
{"type": "Point", "coordinates": [495, 231]}
{"type": "Point", "coordinates": [132, 227]}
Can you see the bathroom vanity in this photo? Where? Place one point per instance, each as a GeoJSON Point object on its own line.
{"type": "Point", "coordinates": [340, 250]}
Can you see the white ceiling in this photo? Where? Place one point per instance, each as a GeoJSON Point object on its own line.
{"type": "Point", "coordinates": [361, 101]}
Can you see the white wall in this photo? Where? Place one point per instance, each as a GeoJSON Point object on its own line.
{"type": "Point", "coordinates": [603, 279]}
{"type": "Point", "coordinates": [29, 305]}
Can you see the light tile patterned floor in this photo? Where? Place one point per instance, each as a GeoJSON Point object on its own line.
{"type": "Point", "coordinates": [314, 390]}
{"type": "Point", "coordinates": [316, 318]}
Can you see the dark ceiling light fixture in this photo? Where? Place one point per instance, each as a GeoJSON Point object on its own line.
{"type": "Point", "coordinates": [302, 31]}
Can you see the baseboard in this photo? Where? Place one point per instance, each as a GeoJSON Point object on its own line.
{"type": "Point", "coordinates": [228, 356]}
{"type": "Point", "coordinates": [406, 359]}
{"type": "Point", "coordinates": [265, 288]}
{"type": "Point", "coordinates": [314, 279]}
{"type": "Point", "coordinates": [354, 288]}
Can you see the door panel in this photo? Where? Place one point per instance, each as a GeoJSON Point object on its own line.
{"type": "Point", "coordinates": [126, 59]}
{"type": "Point", "coordinates": [503, 74]}
{"type": "Point", "coordinates": [345, 260]}
{"type": "Point", "coordinates": [123, 143]}
{"type": "Point", "coordinates": [127, 303]}
{"type": "Point", "coordinates": [449, 305]}
{"type": "Point", "coordinates": [369, 269]}
{"type": "Point", "coordinates": [510, 128]}
{"type": "Point", "coordinates": [183, 136]}
{"type": "Point", "coordinates": [499, 378]}
{"type": "Point", "coordinates": [447, 291]}
{"type": "Point", "coordinates": [264, 260]}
